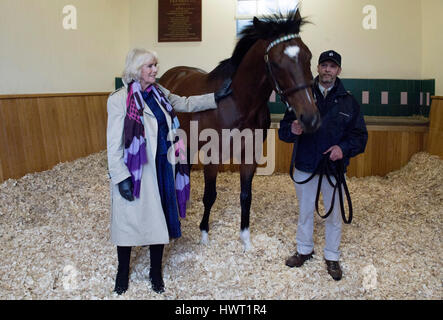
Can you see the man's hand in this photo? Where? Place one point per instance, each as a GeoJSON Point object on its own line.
{"type": "Point", "coordinates": [336, 153]}
{"type": "Point", "coordinates": [296, 128]}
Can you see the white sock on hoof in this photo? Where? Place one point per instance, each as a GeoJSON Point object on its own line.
{"type": "Point", "coordinates": [204, 238]}
{"type": "Point", "coordinates": [245, 238]}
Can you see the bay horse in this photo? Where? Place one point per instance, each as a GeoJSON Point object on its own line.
{"type": "Point", "coordinates": [269, 55]}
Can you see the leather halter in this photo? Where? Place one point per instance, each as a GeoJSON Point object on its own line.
{"type": "Point", "coordinates": [283, 93]}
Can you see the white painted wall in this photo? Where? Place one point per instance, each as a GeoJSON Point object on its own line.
{"type": "Point", "coordinates": [393, 50]}
{"type": "Point", "coordinates": [38, 56]}
{"type": "Point", "coordinates": [432, 43]}
{"type": "Point", "coordinates": [218, 35]}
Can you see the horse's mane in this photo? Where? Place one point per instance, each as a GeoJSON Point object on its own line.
{"type": "Point", "coordinates": [271, 26]}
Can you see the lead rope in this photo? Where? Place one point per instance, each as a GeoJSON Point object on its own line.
{"type": "Point", "coordinates": [325, 168]}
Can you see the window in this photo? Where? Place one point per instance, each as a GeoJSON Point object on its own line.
{"type": "Point", "coordinates": [247, 9]}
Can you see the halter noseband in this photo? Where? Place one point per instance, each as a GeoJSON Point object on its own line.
{"type": "Point", "coordinates": [282, 93]}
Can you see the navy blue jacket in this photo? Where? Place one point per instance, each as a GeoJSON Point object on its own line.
{"type": "Point", "coordinates": [342, 124]}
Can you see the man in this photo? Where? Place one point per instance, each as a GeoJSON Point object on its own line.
{"type": "Point", "coordinates": [343, 134]}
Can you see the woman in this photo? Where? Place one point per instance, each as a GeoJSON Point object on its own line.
{"type": "Point", "coordinates": [139, 133]}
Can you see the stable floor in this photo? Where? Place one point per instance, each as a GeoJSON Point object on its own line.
{"type": "Point", "coordinates": [54, 230]}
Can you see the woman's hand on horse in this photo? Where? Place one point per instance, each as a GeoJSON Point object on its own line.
{"type": "Point", "coordinates": [296, 128]}
{"type": "Point", "coordinates": [224, 91]}
{"type": "Point", "coordinates": [336, 153]}
{"type": "Point", "coordinates": [126, 189]}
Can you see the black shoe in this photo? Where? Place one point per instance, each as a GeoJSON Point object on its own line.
{"type": "Point", "coordinates": [157, 282]}
{"type": "Point", "coordinates": [121, 282]}
{"type": "Point", "coordinates": [298, 259]}
{"type": "Point", "coordinates": [334, 269]}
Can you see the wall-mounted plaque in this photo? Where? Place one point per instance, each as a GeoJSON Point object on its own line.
{"type": "Point", "coordinates": [179, 20]}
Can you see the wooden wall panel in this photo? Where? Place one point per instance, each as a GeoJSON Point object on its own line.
{"type": "Point", "coordinates": [388, 149]}
{"type": "Point", "coordinates": [39, 131]}
{"type": "Point", "coordinates": [2, 143]}
{"type": "Point", "coordinates": [97, 122]}
{"type": "Point", "coordinates": [13, 157]}
{"type": "Point", "coordinates": [30, 129]}
{"type": "Point", "coordinates": [50, 125]}
{"type": "Point", "coordinates": [435, 138]}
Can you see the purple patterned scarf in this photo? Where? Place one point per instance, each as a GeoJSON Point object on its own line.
{"type": "Point", "coordinates": [135, 144]}
{"type": "Point", "coordinates": [134, 132]}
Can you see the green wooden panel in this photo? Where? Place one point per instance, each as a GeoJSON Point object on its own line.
{"type": "Point", "coordinates": [118, 83]}
{"type": "Point", "coordinates": [394, 87]}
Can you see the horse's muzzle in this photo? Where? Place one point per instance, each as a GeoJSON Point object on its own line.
{"type": "Point", "coordinates": [310, 123]}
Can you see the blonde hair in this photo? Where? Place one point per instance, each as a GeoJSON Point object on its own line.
{"type": "Point", "coordinates": [134, 61]}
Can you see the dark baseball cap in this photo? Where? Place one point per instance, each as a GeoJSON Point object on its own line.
{"type": "Point", "coordinates": [330, 55]}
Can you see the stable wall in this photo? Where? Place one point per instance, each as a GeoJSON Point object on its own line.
{"type": "Point", "coordinates": [392, 51]}
{"type": "Point", "coordinates": [39, 131]}
{"type": "Point", "coordinates": [43, 130]}
{"type": "Point", "coordinates": [218, 35]}
{"type": "Point", "coordinates": [389, 148]}
{"type": "Point", "coordinates": [432, 44]}
{"type": "Point", "coordinates": [39, 56]}
{"type": "Point", "coordinates": [435, 138]}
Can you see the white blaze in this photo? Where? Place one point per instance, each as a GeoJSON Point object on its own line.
{"type": "Point", "coordinates": [292, 52]}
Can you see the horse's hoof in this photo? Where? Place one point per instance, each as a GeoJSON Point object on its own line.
{"type": "Point", "coordinates": [205, 238]}
{"type": "Point", "coordinates": [247, 247]}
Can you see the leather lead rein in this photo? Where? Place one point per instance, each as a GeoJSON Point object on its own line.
{"type": "Point", "coordinates": [325, 168]}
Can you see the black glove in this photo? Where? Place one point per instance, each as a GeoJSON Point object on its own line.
{"type": "Point", "coordinates": [126, 188]}
{"type": "Point", "coordinates": [224, 91]}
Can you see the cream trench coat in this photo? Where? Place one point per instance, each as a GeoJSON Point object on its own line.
{"type": "Point", "coordinates": [142, 221]}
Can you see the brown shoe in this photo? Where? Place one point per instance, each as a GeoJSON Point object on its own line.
{"type": "Point", "coordinates": [298, 259]}
{"type": "Point", "coordinates": [334, 269]}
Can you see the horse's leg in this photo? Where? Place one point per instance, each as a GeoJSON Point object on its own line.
{"type": "Point", "coordinates": [246, 175]}
{"type": "Point", "coordinates": [210, 173]}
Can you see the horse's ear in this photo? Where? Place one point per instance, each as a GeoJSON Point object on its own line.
{"type": "Point", "coordinates": [258, 25]}
{"type": "Point", "coordinates": [297, 14]}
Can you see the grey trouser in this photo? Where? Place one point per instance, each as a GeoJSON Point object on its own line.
{"type": "Point", "coordinates": [333, 224]}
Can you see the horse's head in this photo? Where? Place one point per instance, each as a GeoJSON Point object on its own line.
{"type": "Point", "coordinates": [288, 62]}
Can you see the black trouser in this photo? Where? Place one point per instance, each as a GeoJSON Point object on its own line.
{"type": "Point", "coordinates": [156, 253]}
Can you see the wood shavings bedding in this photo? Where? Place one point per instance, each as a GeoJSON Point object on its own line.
{"type": "Point", "coordinates": [54, 231]}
